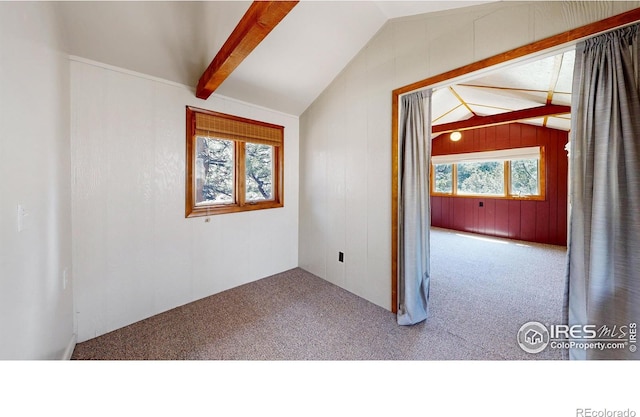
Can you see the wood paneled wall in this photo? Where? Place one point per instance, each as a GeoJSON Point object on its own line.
{"type": "Point", "coordinates": [535, 221]}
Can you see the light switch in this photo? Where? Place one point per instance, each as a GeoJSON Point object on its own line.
{"type": "Point", "coordinates": [21, 214]}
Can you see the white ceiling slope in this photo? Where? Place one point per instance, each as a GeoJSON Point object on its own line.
{"type": "Point", "coordinates": [533, 84]}
{"type": "Point", "coordinates": [177, 40]}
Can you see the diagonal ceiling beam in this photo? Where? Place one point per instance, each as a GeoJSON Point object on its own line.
{"type": "Point", "coordinates": [255, 25]}
{"type": "Point", "coordinates": [502, 118]}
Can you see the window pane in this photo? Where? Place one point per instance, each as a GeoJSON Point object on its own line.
{"type": "Point", "coordinates": [481, 178]}
{"type": "Point", "coordinates": [443, 180]}
{"type": "Point", "coordinates": [259, 170]}
{"type": "Point", "coordinates": [524, 177]}
{"type": "Point", "coordinates": [214, 171]}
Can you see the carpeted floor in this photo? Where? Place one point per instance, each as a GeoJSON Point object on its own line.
{"type": "Point", "coordinates": [483, 290]}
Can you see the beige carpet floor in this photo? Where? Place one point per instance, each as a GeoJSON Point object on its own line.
{"type": "Point", "coordinates": [483, 290]}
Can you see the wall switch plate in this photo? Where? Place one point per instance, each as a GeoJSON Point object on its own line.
{"type": "Point", "coordinates": [340, 257]}
{"type": "Point", "coordinates": [20, 219]}
{"type": "Point", "coordinates": [65, 278]}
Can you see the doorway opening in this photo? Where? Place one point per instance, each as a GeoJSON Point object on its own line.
{"type": "Point", "coordinates": [506, 173]}
{"type": "Point", "coordinates": [532, 51]}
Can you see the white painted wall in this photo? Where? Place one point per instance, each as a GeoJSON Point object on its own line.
{"type": "Point", "coordinates": [135, 254]}
{"type": "Point", "coordinates": [345, 135]}
{"type": "Point", "coordinates": [36, 313]}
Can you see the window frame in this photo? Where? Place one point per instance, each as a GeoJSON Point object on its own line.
{"type": "Point", "coordinates": [241, 203]}
{"type": "Point", "coordinates": [507, 195]}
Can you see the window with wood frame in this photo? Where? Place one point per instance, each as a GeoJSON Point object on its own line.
{"type": "Point", "coordinates": [233, 164]}
{"type": "Point", "coordinates": [510, 173]}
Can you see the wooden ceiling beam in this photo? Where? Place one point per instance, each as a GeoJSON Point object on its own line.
{"type": "Point", "coordinates": [502, 118]}
{"type": "Point", "coordinates": [255, 25]}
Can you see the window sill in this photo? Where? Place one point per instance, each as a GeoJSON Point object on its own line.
{"type": "Point", "coordinates": [492, 197]}
{"type": "Point", "coordinates": [202, 211]}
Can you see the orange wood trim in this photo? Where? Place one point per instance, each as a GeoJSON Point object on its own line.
{"type": "Point", "coordinates": [240, 203]}
{"type": "Point", "coordinates": [507, 178]}
{"type": "Point", "coordinates": [278, 174]}
{"type": "Point", "coordinates": [542, 176]}
{"type": "Point", "coordinates": [563, 38]}
{"type": "Point", "coordinates": [492, 197]}
{"type": "Point", "coordinates": [569, 36]}
{"type": "Point", "coordinates": [189, 167]}
{"type": "Point", "coordinates": [258, 21]}
{"type": "Point", "coordinates": [464, 103]}
{"type": "Point", "coordinates": [507, 184]}
{"type": "Point", "coordinates": [240, 181]}
{"type": "Point", "coordinates": [232, 117]}
{"type": "Point", "coordinates": [454, 173]}
{"type": "Point", "coordinates": [232, 208]}
{"type": "Point", "coordinates": [394, 202]}
{"type": "Point", "coordinates": [502, 118]}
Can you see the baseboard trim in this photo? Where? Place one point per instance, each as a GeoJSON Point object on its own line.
{"type": "Point", "coordinates": [70, 347]}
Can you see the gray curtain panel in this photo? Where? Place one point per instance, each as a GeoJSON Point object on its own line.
{"type": "Point", "coordinates": [603, 274]}
{"type": "Point", "coordinates": [413, 208]}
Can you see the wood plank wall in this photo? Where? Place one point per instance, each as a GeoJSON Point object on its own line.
{"type": "Point", "coordinates": [534, 221]}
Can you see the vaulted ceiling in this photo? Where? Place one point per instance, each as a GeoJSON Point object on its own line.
{"type": "Point", "coordinates": [177, 40]}
{"type": "Point", "coordinates": [543, 85]}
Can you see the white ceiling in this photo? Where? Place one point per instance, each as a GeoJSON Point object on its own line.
{"type": "Point", "coordinates": [177, 40]}
{"type": "Point", "coordinates": [533, 84]}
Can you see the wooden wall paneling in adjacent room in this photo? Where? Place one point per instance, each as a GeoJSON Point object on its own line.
{"type": "Point", "coordinates": [515, 135]}
{"type": "Point", "coordinates": [552, 189]}
{"type": "Point", "coordinates": [458, 219]}
{"type": "Point", "coordinates": [528, 136]}
{"type": "Point", "coordinates": [446, 212]}
{"type": "Point", "coordinates": [537, 221]}
{"type": "Point", "coordinates": [515, 219]}
{"type": "Point", "coordinates": [469, 215]}
{"type": "Point", "coordinates": [563, 191]}
{"type": "Point", "coordinates": [436, 210]}
{"type": "Point", "coordinates": [543, 222]}
{"type": "Point", "coordinates": [502, 219]}
{"type": "Point", "coordinates": [489, 206]}
{"type": "Point", "coordinates": [482, 216]}
{"type": "Point", "coordinates": [503, 139]}
{"type": "Point", "coordinates": [528, 220]}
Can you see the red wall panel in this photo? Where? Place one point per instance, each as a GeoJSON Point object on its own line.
{"type": "Point", "coordinates": [535, 221]}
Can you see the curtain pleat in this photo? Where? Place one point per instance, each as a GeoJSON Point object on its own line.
{"type": "Point", "coordinates": [413, 208]}
{"type": "Point", "coordinates": [603, 272]}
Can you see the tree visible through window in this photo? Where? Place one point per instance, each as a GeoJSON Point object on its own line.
{"type": "Point", "coordinates": [233, 164]}
{"type": "Point", "coordinates": [481, 178]}
{"type": "Point", "coordinates": [214, 171]}
{"type": "Point", "coordinates": [259, 171]}
{"type": "Point", "coordinates": [443, 178]}
{"type": "Point", "coordinates": [509, 173]}
{"type": "Point", "coordinates": [524, 177]}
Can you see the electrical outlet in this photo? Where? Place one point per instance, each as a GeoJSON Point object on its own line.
{"type": "Point", "coordinates": [340, 257]}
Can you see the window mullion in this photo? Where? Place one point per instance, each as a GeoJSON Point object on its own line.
{"type": "Point", "coordinates": [432, 179]}
{"type": "Point", "coordinates": [241, 185]}
{"type": "Point", "coordinates": [507, 178]}
{"type": "Point", "coordinates": [454, 179]}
